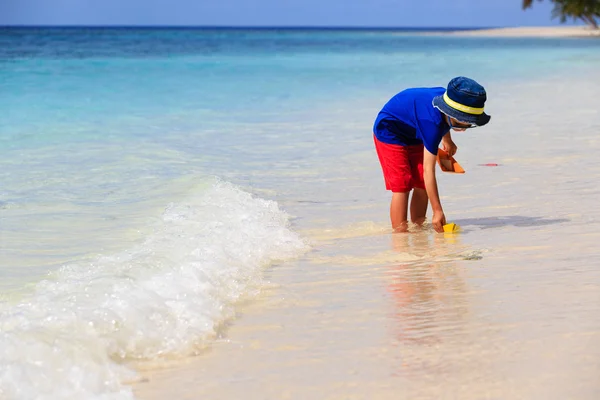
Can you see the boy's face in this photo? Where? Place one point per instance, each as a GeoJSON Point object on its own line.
{"type": "Point", "coordinates": [459, 126]}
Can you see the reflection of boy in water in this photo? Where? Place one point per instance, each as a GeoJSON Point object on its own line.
{"type": "Point", "coordinates": [418, 119]}
{"type": "Point", "coordinates": [427, 298]}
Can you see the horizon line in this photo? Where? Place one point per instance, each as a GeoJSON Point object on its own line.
{"type": "Point", "coordinates": [282, 27]}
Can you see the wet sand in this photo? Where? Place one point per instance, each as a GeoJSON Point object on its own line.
{"type": "Point", "coordinates": [430, 317]}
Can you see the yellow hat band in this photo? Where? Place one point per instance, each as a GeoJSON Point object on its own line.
{"type": "Point", "coordinates": [461, 107]}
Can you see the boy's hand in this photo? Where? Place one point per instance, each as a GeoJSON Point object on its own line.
{"type": "Point", "coordinates": [438, 221]}
{"type": "Point", "coordinates": [450, 147]}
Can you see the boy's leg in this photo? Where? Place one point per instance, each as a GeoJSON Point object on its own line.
{"type": "Point", "coordinates": [418, 206]}
{"type": "Point", "coordinates": [419, 200]}
{"type": "Point", "coordinates": [397, 175]}
{"type": "Point", "coordinates": [399, 211]}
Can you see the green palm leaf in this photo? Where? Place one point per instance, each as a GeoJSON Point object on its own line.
{"type": "Point", "coordinates": [585, 10]}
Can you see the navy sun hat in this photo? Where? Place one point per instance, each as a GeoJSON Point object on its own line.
{"type": "Point", "coordinates": [464, 101]}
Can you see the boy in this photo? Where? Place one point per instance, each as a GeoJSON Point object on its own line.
{"type": "Point", "coordinates": [407, 133]}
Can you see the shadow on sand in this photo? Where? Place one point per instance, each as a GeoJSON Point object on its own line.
{"type": "Point", "coordinates": [511, 220]}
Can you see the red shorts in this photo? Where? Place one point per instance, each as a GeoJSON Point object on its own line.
{"type": "Point", "coordinates": [402, 166]}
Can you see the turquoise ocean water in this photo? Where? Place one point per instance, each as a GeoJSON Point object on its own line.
{"type": "Point", "coordinates": [148, 176]}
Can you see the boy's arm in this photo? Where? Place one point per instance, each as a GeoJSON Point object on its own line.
{"type": "Point", "coordinates": [439, 219]}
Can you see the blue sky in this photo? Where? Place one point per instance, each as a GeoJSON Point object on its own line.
{"type": "Point", "coordinates": [370, 13]}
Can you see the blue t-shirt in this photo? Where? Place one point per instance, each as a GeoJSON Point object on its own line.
{"type": "Point", "coordinates": [409, 118]}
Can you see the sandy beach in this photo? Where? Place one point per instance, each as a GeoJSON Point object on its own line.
{"type": "Point", "coordinates": [534, 31]}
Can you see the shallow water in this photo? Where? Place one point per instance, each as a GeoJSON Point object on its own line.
{"type": "Point", "coordinates": [428, 317]}
{"type": "Point", "coordinates": [508, 308]}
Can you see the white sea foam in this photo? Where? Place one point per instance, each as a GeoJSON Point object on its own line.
{"type": "Point", "coordinates": [167, 296]}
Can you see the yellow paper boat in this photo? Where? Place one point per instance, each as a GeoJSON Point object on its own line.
{"type": "Point", "coordinates": [451, 228]}
{"type": "Point", "coordinates": [447, 163]}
